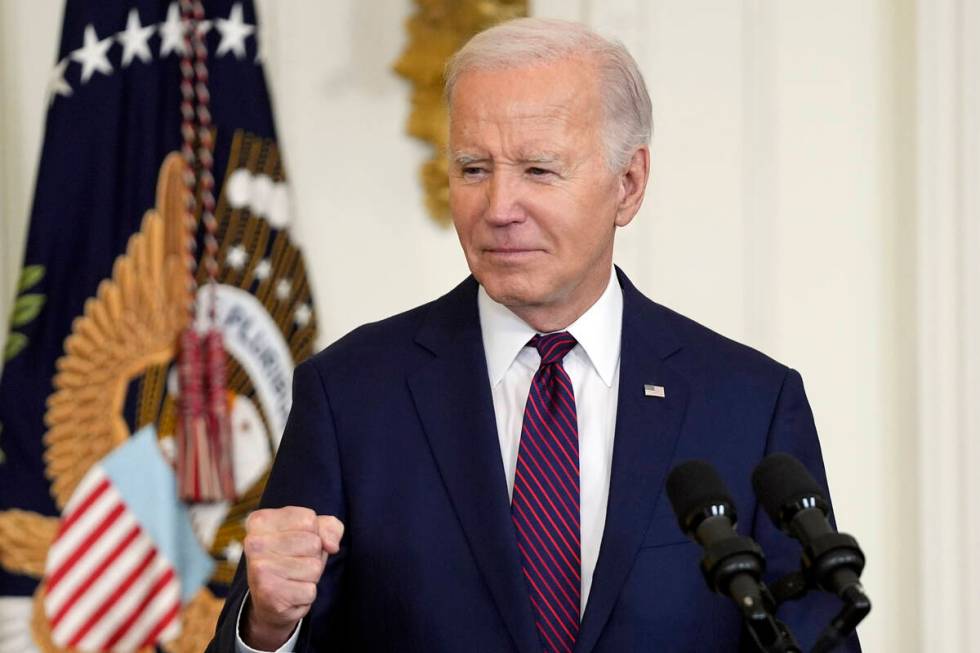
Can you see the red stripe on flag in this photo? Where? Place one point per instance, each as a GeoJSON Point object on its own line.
{"type": "Point", "coordinates": [162, 624]}
{"type": "Point", "coordinates": [83, 507]}
{"type": "Point", "coordinates": [90, 539]}
{"type": "Point", "coordinates": [95, 574]}
{"type": "Point", "coordinates": [114, 597]}
{"type": "Point", "coordinates": [136, 611]}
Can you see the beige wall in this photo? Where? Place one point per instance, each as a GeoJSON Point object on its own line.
{"type": "Point", "coordinates": [29, 33]}
{"type": "Point", "coordinates": [782, 209]}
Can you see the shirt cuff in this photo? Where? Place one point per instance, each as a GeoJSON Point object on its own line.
{"type": "Point", "coordinates": [242, 647]}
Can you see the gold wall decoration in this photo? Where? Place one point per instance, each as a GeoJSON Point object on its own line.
{"type": "Point", "coordinates": [435, 32]}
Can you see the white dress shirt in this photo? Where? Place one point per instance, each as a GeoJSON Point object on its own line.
{"type": "Point", "coordinates": [593, 366]}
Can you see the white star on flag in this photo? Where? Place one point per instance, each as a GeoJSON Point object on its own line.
{"type": "Point", "coordinates": [135, 39]}
{"type": "Point", "coordinates": [302, 315]}
{"type": "Point", "coordinates": [236, 257]}
{"type": "Point", "coordinates": [234, 30]}
{"type": "Point", "coordinates": [56, 82]}
{"type": "Point", "coordinates": [92, 55]}
{"type": "Point", "coordinates": [172, 32]}
{"type": "Point", "coordinates": [263, 269]}
{"type": "Point", "coordinates": [283, 288]}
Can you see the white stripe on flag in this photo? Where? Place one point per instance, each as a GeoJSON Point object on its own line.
{"type": "Point", "coordinates": [95, 476]}
{"type": "Point", "coordinates": [173, 628]}
{"type": "Point", "coordinates": [124, 606]}
{"type": "Point", "coordinates": [99, 593]}
{"type": "Point", "coordinates": [82, 569]}
{"type": "Point", "coordinates": [65, 545]}
{"type": "Point", "coordinates": [150, 617]}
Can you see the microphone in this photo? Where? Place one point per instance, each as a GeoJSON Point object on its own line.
{"type": "Point", "coordinates": [832, 561]}
{"type": "Point", "coordinates": [732, 565]}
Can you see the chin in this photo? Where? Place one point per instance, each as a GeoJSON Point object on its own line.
{"type": "Point", "coordinates": [508, 291]}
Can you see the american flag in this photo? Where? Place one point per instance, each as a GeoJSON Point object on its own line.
{"type": "Point", "coordinates": [108, 584]}
{"type": "Point", "coordinates": [108, 587]}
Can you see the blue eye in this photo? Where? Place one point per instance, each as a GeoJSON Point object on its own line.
{"type": "Point", "coordinates": [534, 171]}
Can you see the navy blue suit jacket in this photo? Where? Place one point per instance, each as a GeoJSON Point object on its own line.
{"type": "Point", "coordinates": [392, 430]}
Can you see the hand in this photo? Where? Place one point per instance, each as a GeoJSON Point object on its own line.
{"type": "Point", "coordinates": [286, 550]}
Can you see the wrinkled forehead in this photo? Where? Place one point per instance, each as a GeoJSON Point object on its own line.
{"type": "Point", "coordinates": [556, 87]}
{"type": "Point", "coordinates": [535, 100]}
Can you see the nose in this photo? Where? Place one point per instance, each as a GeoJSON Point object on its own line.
{"type": "Point", "coordinates": [504, 205]}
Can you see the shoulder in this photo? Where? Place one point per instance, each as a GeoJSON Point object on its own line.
{"type": "Point", "coordinates": [697, 350]}
{"type": "Point", "coordinates": [396, 341]}
{"type": "Point", "coordinates": [724, 352]}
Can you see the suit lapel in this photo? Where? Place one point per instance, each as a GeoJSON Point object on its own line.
{"type": "Point", "coordinates": [647, 429]}
{"type": "Point", "coordinates": [452, 396]}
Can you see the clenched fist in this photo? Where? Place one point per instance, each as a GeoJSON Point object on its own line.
{"type": "Point", "coordinates": [286, 550]}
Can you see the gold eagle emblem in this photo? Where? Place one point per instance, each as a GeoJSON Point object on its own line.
{"type": "Point", "coordinates": [120, 351]}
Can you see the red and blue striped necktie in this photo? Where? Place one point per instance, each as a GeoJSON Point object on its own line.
{"type": "Point", "coordinates": [545, 505]}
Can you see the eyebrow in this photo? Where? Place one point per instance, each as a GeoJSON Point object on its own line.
{"type": "Point", "coordinates": [464, 159]}
{"type": "Point", "coordinates": [540, 157]}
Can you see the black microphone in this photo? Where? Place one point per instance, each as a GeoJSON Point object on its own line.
{"type": "Point", "coordinates": [832, 561]}
{"type": "Point", "coordinates": [732, 565]}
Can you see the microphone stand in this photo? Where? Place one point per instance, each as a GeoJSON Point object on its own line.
{"type": "Point", "coordinates": [770, 634]}
{"type": "Point", "coordinates": [856, 606]}
{"type": "Point", "coordinates": [735, 565]}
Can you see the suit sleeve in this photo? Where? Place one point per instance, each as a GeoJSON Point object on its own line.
{"type": "Point", "coordinates": [306, 472]}
{"type": "Point", "coordinates": [792, 430]}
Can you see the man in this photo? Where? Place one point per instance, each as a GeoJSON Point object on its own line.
{"type": "Point", "coordinates": [486, 472]}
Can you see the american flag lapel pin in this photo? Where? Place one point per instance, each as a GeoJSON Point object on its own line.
{"type": "Point", "coordinates": [654, 391]}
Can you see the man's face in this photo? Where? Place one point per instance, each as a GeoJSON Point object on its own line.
{"type": "Point", "coordinates": [533, 201]}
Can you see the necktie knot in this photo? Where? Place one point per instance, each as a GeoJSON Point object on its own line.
{"type": "Point", "coordinates": [553, 346]}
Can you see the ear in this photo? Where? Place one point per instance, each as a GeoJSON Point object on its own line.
{"type": "Point", "coordinates": [632, 186]}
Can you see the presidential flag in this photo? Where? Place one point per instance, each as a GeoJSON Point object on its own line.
{"type": "Point", "coordinates": [97, 552]}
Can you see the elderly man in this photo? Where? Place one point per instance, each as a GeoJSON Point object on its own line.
{"type": "Point", "coordinates": [486, 472]}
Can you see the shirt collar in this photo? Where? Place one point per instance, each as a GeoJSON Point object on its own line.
{"type": "Point", "coordinates": [597, 331]}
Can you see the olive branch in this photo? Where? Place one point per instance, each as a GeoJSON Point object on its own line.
{"type": "Point", "coordinates": [27, 306]}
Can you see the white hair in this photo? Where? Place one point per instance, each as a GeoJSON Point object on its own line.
{"type": "Point", "coordinates": [627, 111]}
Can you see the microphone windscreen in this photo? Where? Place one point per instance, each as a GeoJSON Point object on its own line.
{"type": "Point", "coordinates": [781, 480]}
{"type": "Point", "coordinates": [692, 486]}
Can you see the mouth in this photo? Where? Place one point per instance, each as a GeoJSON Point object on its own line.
{"type": "Point", "coordinates": [510, 254]}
